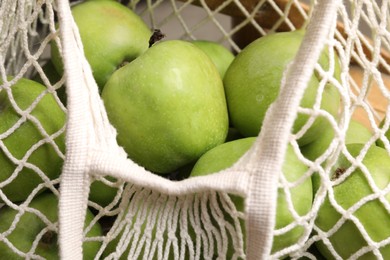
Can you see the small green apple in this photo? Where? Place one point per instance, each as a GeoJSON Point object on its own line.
{"type": "Point", "coordinates": [111, 34]}
{"type": "Point", "coordinates": [225, 155]}
{"type": "Point", "coordinates": [168, 106]}
{"type": "Point", "coordinates": [379, 142]}
{"type": "Point", "coordinates": [253, 80]}
{"type": "Point", "coordinates": [356, 133]}
{"type": "Point", "coordinates": [30, 225]}
{"type": "Point", "coordinates": [25, 136]}
{"type": "Point", "coordinates": [222, 156]}
{"type": "Point", "coordinates": [373, 216]}
{"type": "Point", "coordinates": [218, 53]}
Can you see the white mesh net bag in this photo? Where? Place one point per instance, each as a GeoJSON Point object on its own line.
{"type": "Point", "coordinates": [313, 183]}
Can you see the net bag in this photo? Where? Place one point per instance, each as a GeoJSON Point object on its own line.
{"type": "Point", "coordinates": [312, 183]}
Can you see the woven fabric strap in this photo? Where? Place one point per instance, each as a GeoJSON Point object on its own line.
{"type": "Point", "coordinates": [88, 130]}
{"type": "Point", "coordinates": [74, 186]}
{"type": "Point", "coordinates": [274, 137]}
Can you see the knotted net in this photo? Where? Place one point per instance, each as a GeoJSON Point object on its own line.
{"type": "Point", "coordinates": [58, 148]}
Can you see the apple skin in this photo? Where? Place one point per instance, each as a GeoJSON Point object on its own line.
{"type": "Point", "coordinates": [168, 106]}
{"type": "Point", "coordinates": [379, 142]}
{"type": "Point", "coordinates": [30, 225]}
{"type": "Point", "coordinates": [218, 53]}
{"type": "Point", "coordinates": [356, 133]}
{"type": "Point", "coordinates": [111, 34]}
{"type": "Point", "coordinates": [222, 156]}
{"type": "Point", "coordinates": [253, 79]}
{"type": "Point", "coordinates": [225, 155]}
{"type": "Point", "coordinates": [52, 118]}
{"type": "Point", "coordinates": [372, 215]}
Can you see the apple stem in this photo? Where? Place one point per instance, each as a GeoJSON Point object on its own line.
{"type": "Point", "coordinates": [48, 238]}
{"type": "Point", "coordinates": [337, 173]}
{"type": "Point", "coordinates": [156, 36]}
{"type": "Point", "coordinates": [124, 63]}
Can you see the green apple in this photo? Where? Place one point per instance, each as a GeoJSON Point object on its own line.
{"type": "Point", "coordinates": [222, 156]}
{"type": "Point", "coordinates": [168, 106]}
{"type": "Point", "coordinates": [356, 133]}
{"type": "Point", "coordinates": [373, 216]}
{"type": "Point", "coordinates": [30, 225]}
{"type": "Point", "coordinates": [218, 53]}
{"type": "Point", "coordinates": [111, 34]}
{"type": "Point", "coordinates": [379, 142]}
{"type": "Point", "coordinates": [225, 155]}
{"type": "Point", "coordinates": [253, 80]}
{"type": "Point", "coordinates": [21, 141]}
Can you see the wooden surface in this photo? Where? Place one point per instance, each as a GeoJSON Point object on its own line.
{"type": "Point", "coordinates": [374, 96]}
{"type": "Point", "coordinates": [264, 14]}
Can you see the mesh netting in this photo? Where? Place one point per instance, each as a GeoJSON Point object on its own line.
{"type": "Point", "coordinates": [68, 189]}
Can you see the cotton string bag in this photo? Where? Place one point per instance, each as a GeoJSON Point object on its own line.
{"type": "Point", "coordinates": [196, 218]}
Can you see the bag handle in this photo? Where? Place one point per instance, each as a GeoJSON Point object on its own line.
{"type": "Point", "coordinates": [74, 186]}
{"type": "Point", "coordinates": [84, 132]}
{"type": "Point", "coordinates": [268, 155]}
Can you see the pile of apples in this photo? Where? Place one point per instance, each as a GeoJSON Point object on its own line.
{"type": "Point", "coordinates": [183, 109]}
